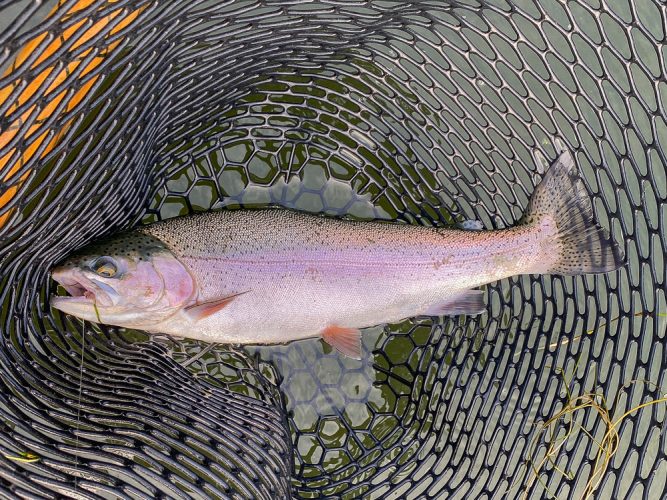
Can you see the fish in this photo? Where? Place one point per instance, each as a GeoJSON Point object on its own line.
{"type": "Point", "coordinates": [273, 275]}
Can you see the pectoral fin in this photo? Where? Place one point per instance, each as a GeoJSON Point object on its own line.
{"type": "Point", "coordinates": [203, 310]}
{"type": "Point", "coordinates": [468, 302]}
{"type": "Point", "coordinates": [345, 340]}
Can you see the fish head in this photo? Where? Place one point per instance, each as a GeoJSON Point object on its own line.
{"type": "Point", "coordinates": [131, 280]}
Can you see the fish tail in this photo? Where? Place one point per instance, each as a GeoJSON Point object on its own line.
{"type": "Point", "coordinates": [561, 208]}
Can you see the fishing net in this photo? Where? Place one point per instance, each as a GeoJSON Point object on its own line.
{"type": "Point", "coordinates": [114, 113]}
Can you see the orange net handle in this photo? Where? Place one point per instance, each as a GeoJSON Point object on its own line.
{"type": "Point", "coordinates": [36, 137]}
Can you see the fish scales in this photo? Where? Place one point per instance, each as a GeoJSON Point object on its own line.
{"type": "Point", "coordinates": [304, 272]}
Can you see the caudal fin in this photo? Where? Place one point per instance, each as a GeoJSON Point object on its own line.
{"type": "Point", "coordinates": [562, 206]}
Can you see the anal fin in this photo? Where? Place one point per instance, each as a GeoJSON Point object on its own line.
{"type": "Point", "coordinates": [346, 340]}
{"type": "Point", "coordinates": [468, 302]}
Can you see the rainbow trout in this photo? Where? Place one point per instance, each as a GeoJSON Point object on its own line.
{"type": "Point", "coordinates": [272, 276]}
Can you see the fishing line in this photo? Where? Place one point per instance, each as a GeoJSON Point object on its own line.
{"type": "Point", "coordinates": [78, 410]}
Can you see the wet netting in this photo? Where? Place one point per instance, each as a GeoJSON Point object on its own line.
{"type": "Point", "coordinates": [115, 113]}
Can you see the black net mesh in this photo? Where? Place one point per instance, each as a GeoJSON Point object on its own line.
{"type": "Point", "coordinates": [433, 112]}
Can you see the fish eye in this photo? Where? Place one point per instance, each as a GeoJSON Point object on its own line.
{"type": "Point", "coordinates": [105, 267]}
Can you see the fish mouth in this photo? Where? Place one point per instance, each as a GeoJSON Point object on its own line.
{"type": "Point", "coordinates": [82, 291]}
{"type": "Point", "coordinates": [77, 290]}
